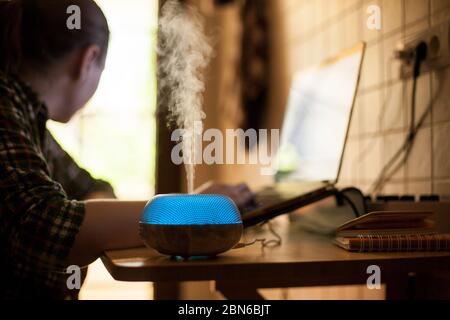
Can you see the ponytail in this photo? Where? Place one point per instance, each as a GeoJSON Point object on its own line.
{"type": "Point", "coordinates": [10, 35]}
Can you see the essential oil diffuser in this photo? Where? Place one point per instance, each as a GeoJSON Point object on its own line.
{"type": "Point", "coordinates": [191, 225]}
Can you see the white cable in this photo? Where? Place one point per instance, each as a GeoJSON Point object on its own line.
{"type": "Point", "coordinates": [264, 242]}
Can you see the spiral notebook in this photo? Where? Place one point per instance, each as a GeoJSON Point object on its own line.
{"type": "Point", "coordinates": [392, 231]}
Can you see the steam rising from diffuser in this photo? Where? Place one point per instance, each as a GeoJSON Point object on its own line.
{"type": "Point", "coordinates": [184, 51]}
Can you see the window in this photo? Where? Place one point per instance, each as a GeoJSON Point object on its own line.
{"type": "Point", "coordinates": [114, 135]}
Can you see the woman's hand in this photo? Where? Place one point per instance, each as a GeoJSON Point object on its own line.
{"type": "Point", "coordinates": [240, 194]}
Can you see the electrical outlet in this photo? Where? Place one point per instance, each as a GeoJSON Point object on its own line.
{"type": "Point", "coordinates": [438, 40]}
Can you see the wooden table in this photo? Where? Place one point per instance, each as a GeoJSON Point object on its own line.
{"type": "Point", "coordinates": [302, 260]}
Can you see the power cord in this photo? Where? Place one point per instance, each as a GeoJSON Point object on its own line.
{"type": "Point", "coordinates": [386, 174]}
{"type": "Point", "coordinates": [264, 242]}
{"type": "Point", "coordinates": [341, 196]}
{"type": "Point", "coordinates": [273, 242]}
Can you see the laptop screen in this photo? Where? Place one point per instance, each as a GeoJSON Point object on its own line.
{"type": "Point", "coordinates": [317, 119]}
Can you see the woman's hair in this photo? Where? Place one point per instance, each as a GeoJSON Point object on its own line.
{"type": "Point", "coordinates": [35, 34]}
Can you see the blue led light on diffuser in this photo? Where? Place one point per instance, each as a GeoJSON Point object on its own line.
{"type": "Point", "coordinates": [191, 210]}
{"type": "Point", "coordinates": [191, 227]}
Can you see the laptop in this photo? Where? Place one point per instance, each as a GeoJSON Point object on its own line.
{"type": "Point", "coordinates": [313, 137]}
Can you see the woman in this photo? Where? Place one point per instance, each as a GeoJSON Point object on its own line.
{"type": "Point", "coordinates": [49, 72]}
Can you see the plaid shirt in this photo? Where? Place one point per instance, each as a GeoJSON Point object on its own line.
{"type": "Point", "coordinates": [38, 219]}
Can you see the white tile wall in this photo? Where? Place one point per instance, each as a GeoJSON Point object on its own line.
{"type": "Point", "coordinates": [325, 27]}
{"type": "Point", "coordinates": [442, 187]}
{"type": "Point", "coordinates": [419, 162]}
{"type": "Point", "coordinates": [423, 98]}
{"type": "Point", "coordinates": [391, 143]}
{"type": "Point", "coordinates": [416, 10]}
{"type": "Point", "coordinates": [441, 147]}
{"type": "Point", "coordinates": [392, 108]}
{"type": "Point", "coordinates": [392, 20]}
{"type": "Point", "coordinates": [369, 114]}
{"type": "Point", "coordinates": [441, 82]}
{"type": "Point", "coordinates": [419, 187]}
